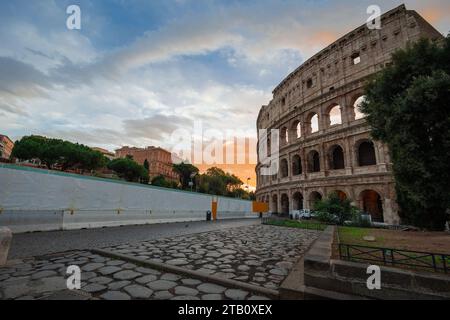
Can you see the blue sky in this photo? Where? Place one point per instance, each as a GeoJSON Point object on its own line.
{"type": "Point", "coordinates": [137, 70]}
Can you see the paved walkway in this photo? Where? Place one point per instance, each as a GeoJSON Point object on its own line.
{"type": "Point", "coordinates": [255, 254]}
{"type": "Point", "coordinates": [260, 255]}
{"type": "Point", "coordinates": [106, 279]}
{"type": "Point", "coordinates": [42, 243]}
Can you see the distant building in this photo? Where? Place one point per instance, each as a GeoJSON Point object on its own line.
{"type": "Point", "coordinates": [108, 154]}
{"type": "Point", "coordinates": [6, 146]}
{"type": "Point", "coordinates": [159, 160]}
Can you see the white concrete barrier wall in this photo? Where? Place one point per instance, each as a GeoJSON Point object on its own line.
{"type": "Point", "coordinates": [40, 200]}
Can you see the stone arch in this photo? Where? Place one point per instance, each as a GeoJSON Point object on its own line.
{"type": "Point", "coordinates": [372, 203]}
{"type": "Point", "coordinates": [284, 168]}
{"type": "Point", "coordinates": [356, 107]}
{"type": "Point", "coordinates": [285, 204]}
{"type": "Point", "coordinates": [312, 123]}
{"type": "Point", "coordinates": [366, 153]}
{"type": "Point", "coordinates": [274, 204]}
{"type": "Point", "coordinates": [336, 157]}
{"type": "Point", "coordinates": [296, 130]}
{"type": "Point", "coordinates": [296, 165]}
{"type": "Point", "coordinates": [313, 161]}
{"type": "Point", "coordinates": [334, 115]}
{"type": "Point", "coordinates": [314, 196]}
{"type": "Point", "coordinates": [341, 194]}
{"type": "Point", "coordinates": [297, 201]}
{"type": "Point", "coordinates": [284, 136]}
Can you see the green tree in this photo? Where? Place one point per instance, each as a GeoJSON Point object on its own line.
{"type": "Point", "coordinates": [129, 170]}
{"type": "Point", "coordinates": [407, 107]}
{"type": "Point", "coordinates": [185, 170]}
{"type": "Point", "coordinates": [58, 152]}
{"type": "Point", "coordinates": [146, 165]}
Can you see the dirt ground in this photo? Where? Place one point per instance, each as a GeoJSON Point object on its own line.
{"type": "Point", "coordinates": [434, 242]}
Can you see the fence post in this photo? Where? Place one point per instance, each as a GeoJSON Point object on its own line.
{"type": "Point", "coordinates": [444, 262]}
{"type": "Point", "coordinates": [434, 262]}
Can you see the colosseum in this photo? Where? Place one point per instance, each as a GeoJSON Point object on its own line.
{"type": "Point", "coordinates": [324, 141]}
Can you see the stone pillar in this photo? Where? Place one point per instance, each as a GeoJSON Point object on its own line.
{"type": "Point", "coordinates": [5, 243]}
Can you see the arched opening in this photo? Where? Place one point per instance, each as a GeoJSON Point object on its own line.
{"type": "Point", "coordinates": [314, 161]}
{"type": "Point", "coordinates": [372, 204]}
{"type": "Point", "coordinates": [337, 160]}
{"type": "Point", "coordinates": [284, 137]}
{"type": "Point", "coordinates": [314, 123]}
{"type": "Point", "coordinates": [357, 108]}
{"type": "Point", "coordinates": [341, 194]}
{"type": "Point", "coordinates": [298, 201]}
{"type": "Point", "coordinates": [296, 130]}
{"type": "Point", "coordinates": [313, 198]}
{"type": "Point", "coordinates": [335, 115]}
{"type": "Point", "coordinates": [274, 207]}
{"type": "Point", "coordinates": [296, 165]}
{"type": "Point", "coordinates": [284, 170]}
{"type": "Point", "coordinates": [366, 154]}
{"type": "Point", "coordinates": [284, 204]}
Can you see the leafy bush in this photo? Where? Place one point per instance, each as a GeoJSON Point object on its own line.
{"type": "Point", "coordinates": [334, 210]}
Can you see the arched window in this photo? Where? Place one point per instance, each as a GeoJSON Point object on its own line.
{"type": "Point", "coordinates": [337, 161]}
{"type": "Point", "coordinates": [335, 115]}
{"type": "Point", "coordinates": [284, 136]}
{"type": "Point", "coordinates": [314, 123]}
{"type": "Point", "coordinates": [296, 129]}
{"type": "Point", "coordinates": [296, 165]}
{"type": "Point", "coordinates": [366, 154]}
{"type": "Point", "coordinates": [314, 161]}
{"type": "Point", "coordinates": [357, 106]}
{"type": "Point", "coordinates": [284, 168]}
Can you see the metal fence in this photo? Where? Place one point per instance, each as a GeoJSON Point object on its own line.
{"type": "Point", "coordinates": [393, 257]}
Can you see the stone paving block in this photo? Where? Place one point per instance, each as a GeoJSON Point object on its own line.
{"type": "Point", "coordinates": [138, 291]}
{"type": "Point", "coordinates": [115, 295]}
{"type": "Point", "coordinates": [211, 288]}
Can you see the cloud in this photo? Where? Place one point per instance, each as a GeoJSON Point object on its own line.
{"type": "Point", "coordinates": [157, 127]}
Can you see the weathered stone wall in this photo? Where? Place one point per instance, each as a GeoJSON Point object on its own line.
{"type": "Point", "coordinates": [335, 77]}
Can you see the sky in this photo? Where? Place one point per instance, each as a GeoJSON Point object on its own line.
{"type": "Point", "coordinates": [138, 70]}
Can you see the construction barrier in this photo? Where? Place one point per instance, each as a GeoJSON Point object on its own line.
{"type": "Point", "coordinates": [41, 200]}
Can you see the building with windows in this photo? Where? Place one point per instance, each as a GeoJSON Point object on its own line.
{"type": "Point", "coordinates": [108, 154]}
{"type": "Point", "coordinates": [6, 146]}
{"type": "Point", "coordinates": [325, 142]}
{"type": "Point", "coordinates": [160, 160]}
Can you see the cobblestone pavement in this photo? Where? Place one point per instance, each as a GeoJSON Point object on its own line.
{"type": "Point", "coordinates": [43, 243]}
{"type": "Point", "coordinates": [260, 255]}
{"type": "Point", "coordinates": [106, 279]}
{"type": "Point", "coordinates": [257, 254]}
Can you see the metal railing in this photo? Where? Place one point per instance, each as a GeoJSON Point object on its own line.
{"type": "Point", "coordinates": [436, 262]}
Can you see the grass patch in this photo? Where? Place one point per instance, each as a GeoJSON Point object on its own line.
{"type": "Point", "coordinates": [354, 235]}
{"type": "Point", "coordinates": [296, 224]}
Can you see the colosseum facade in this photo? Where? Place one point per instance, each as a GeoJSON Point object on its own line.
{"type": "Point", "coordinates": [325, 142]}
